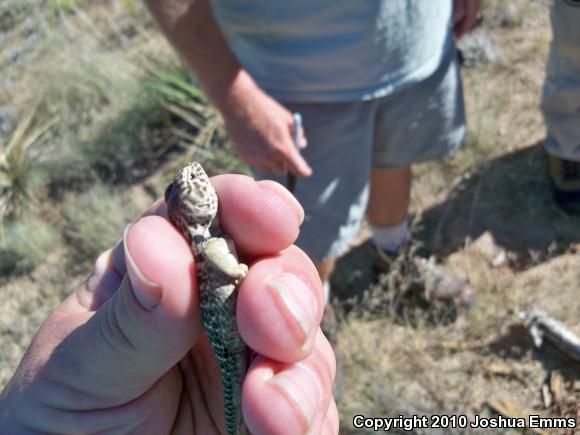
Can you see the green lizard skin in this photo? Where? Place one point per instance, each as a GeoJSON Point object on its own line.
{"type": "Point", "coordinates": [192, 207]}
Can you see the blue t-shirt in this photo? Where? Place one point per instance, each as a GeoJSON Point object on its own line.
{"type": "Point", "coordinates": [336, 50]}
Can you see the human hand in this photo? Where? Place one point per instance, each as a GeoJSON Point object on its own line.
{"type": "Point", "coordinates": [261, 130]}
{"type": "Point", "coordinates": [464, 16]}
{"type": "Point", "coordinates": [126, 353]}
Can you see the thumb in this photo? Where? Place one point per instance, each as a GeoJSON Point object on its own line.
{"type": "Point", "coordinates": [150, 322]}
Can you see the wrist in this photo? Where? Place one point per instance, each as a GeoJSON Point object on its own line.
{"type": "Point", "coordinates": [230, 96]}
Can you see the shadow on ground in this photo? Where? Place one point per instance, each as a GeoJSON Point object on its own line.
{"type": "Point", "coordinates": [510, 197]}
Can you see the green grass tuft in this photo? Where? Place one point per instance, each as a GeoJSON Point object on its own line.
{"type": "Point", "coordinates": [94, 222]}
{"type": "Point", "coordinates": [13, 12]}
{"type": "Point", "coordinates": [65, 6]}
{"type": "Point", "coordinates": [26, 244]}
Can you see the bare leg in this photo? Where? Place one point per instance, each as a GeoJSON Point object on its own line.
{"type": "Point", "coordinates": [389, 196]}
{"type": "Point", "coordinates": [388, 205]}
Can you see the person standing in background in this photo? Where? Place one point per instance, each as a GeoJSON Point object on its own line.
{"type": "Point", "coordinates": [376, 82]}
{"type": "Point", "coordinates": [561, 105]}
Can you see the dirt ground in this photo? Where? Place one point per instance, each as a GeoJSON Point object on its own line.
{"type": "Point", "coordinates": [487, 214]}
{"type": "Point", "coordinates": [492, 221]}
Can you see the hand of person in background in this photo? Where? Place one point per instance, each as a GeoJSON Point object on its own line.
{"type": "Point", "coordinates": [259, 127]}
{"type": "Point", "coordinates": [261, 131]}
{"type": "Point", "coordinates": [464, 16]}
{"type": "Point", "coordinates": [125, 353]}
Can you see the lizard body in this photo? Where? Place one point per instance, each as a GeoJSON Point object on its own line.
{"type": "Point", "coordinates": [192, 207]}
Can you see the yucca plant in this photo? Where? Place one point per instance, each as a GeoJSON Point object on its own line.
{"type": "Point", "coordinates": [199, 127]}
{"type": "Point", "coordinates": [20, 172]}
{"type": "Point", "coordinates": [185, 101]}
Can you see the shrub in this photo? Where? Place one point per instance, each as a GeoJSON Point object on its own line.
{"type": "Point", "coordinates": [26, 244]}
{"type": "Point", "coordinates": [94, 222]}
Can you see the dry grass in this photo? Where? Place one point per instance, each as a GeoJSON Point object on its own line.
{"type": "Point", "coordinates": [498, 185]}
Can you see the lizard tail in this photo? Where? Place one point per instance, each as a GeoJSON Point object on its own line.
{"type": "Point", "coordinates": [233, 370]}
{"type": "Point", "coordinates": [218, 310]}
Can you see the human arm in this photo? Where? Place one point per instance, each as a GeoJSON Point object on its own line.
{"type": "Point", "coordinates": [260, 128]}
{"type": "Point", "coordinates": [464, 16]}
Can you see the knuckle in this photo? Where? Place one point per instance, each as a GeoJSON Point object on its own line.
{"type": "Point", "coordinates": [113, 330]}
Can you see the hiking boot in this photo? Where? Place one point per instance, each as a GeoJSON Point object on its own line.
{"type": "Point", "coordinates": [565, 179]}
{"type": "Point", "coordinates": [435, 281]}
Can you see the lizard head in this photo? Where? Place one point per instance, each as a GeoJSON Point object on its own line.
{"type": "Point", "coordinates": [191, 202]}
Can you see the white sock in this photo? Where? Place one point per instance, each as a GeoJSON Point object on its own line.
{"type": "Point", "coordinates": [326, 288]}
{"type": "Point", "coordinates": [391, 238]}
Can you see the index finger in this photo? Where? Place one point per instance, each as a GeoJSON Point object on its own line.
{"type": "Point", "coordinates": [296, 163]}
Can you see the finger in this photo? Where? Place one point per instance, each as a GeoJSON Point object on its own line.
{"type": "Point", "coordinates": [273, 217]}
{"type": "Point", "coordinates": [259, 166]}
{"type": "Point", "coordinates": [280, 306]}
{"type": "Point", "coordinates": [104, 280]}
{"type": "Point", "coordinates": [466, 17]}
{"type": "Point", "coordinates": [110, 268]}
{"type": "Point", "coordinates": [302, 142]}
{"type": "Point", "coordinates": [152, 319]}
{"type": "Point", "coordinates": [261, 217]}
{"type": "Point", "coordinates": [296, 163]}
{"type": "Point", "coordinates": [277, 164]}
{"type": "Point", "coordinates": [458, 11]}
{"type": "Point", "coordinates": [471, 15]}
{"type": "Point", "coordinates": [147, 325]}
{"type": "Point", "coordinates": [458, 18]}
{"type": "Point", "coordinates": [272, 164]}
{"type": "Point", "coordinates": [331, 422]}
{"type": "Point", "coordinates": [287, 398]}
{"type": "Point", "coordinates": [322, 358]}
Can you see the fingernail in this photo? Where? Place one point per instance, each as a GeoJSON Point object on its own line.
{"type": "Point", "coordinates": [100, 269]}
{"type": "Point", "coordinates": [296, 300]}
{"type": "Point", "coordinates": [302, 389]}
{"type": "Point", "coordinates": [91, 283]}
{"type": "Point", "coordinates": [287, 196]}
{"type": "Point", "coordinates": [146, 292]}
{"type": "Point", "coordinates": [118, 258]}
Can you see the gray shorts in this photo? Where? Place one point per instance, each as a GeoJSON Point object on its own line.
{"type": "Point", "coordinates": [347, 140]}
{"type": "Point", "coordinates": [561, 96]}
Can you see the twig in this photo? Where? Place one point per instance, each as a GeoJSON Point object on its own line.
{"type": "Point", "coordinates": [541, 326]}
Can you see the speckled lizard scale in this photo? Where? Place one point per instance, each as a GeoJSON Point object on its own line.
{"type": "Point", "coordinates": [192, 207]}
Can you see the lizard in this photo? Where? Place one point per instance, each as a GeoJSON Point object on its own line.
{"type": "Point", "coordinates": [192, 207]}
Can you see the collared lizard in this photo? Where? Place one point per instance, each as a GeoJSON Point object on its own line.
{"type": "Point", "coordinates": [192, 207]}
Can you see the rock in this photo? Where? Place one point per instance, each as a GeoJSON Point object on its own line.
{"type": "Point", "coordinates": [477, 48]}
{"type": "Point", "coordinates": [486, 247]}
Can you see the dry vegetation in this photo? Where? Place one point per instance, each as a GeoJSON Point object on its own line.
{"type": "Point", "coordinates": [95, 106]}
